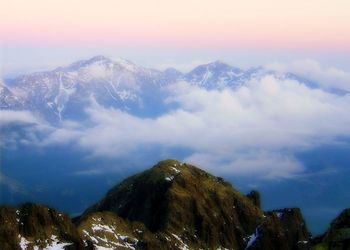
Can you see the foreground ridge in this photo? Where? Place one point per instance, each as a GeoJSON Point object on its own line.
{"type": "Point", "coordinates": [172, 205]}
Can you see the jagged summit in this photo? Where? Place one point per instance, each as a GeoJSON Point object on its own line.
{"type": "Point", "coordinates": [104, 63]}
{"type": "Point", "coordinates": [216, 65]}
{"type": "Point", "coordinates": [87, 62]}
{"type": "Point", "coordinates": [216, 74]}
{"type": "Point", "coordinates": [221, 64]}
{"type": "Point", "coordinates": [99, 58]}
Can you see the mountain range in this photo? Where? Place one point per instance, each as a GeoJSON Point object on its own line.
{"type": "Point", "coordinates": [172, 205]}
{"type": "Point", "coordinates": [66, 91]}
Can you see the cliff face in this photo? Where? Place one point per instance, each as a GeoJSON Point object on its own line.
{"type": "Point", "coordinates": [170, 206]}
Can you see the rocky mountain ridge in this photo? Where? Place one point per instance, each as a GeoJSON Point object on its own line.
{"type": "Point", "coordinates": [173, 205]}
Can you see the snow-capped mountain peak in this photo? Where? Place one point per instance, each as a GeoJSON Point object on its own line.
{"type": "Point", "coordinates": [117, 82]}
{"type": "Point", "coordinates": [214, 74]}
{"type": "Point", "coordinates": [99, 63]}
{"type": "Point", "coordinates": [126, 64]}
{"type": "Point", "coordinates": [85, 63]}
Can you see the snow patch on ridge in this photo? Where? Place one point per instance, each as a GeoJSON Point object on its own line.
{"type": "Point", "coordinates": [107, 237]}
{"type": "Point", "coordinates": [56, 244]}
{"type": "Point", "coordinates": [182, 245]}
{"type": "Point", "coordinates": [252, 239]}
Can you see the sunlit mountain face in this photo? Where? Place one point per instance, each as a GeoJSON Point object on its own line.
{"type": "Point", "coordinates": [69, 134]}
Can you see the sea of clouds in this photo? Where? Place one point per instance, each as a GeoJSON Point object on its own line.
{"type": "Point", "coordinates": [256, 129]}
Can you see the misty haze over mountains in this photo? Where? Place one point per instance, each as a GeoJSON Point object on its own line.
{"type": "Point", "coordinates": [262, 125]}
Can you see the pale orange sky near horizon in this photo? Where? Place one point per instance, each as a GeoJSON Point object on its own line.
{"type": "Point", "coordinates": [283, 24]}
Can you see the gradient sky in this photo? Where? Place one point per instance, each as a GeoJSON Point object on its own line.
{"type": "Point", "coordinates": [212, 27]}
{"type": "Point", "coordinates": [319, 24]}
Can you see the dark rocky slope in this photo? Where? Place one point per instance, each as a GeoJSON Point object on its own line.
{"type": "Point", "coordinates": [337, 236]}
{"type": "Point", "coordinates": [170, 206]}
{"type": "Point", "coordinates": [282, 229]}
{"type": "Point", "coordinates": [32, 225]}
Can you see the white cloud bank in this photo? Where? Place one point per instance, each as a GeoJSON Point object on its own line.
{"type": "Point", "coordinates": [16, 117]}
{"type": "Point", "coordinates": [330, 78]}
{"type": "Point", "coordinates": [26, 124]}
{"type": "Point", "coordinates": [254, 130]}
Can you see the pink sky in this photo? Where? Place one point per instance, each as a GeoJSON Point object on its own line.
{"type": "Point", "coordinates": [282, 24]}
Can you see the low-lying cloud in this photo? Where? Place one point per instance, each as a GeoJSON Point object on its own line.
{"type": "Point", "coordinates": [20, 126]}
{"type": "Point", "coordinates": [330, 78]}
{"type": "Point", "coordinates": [254, 130]}
{"type": "Point", "coordinates": [16, 117]}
